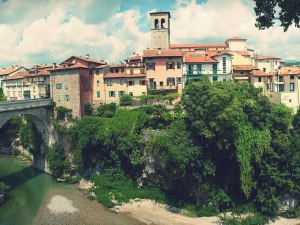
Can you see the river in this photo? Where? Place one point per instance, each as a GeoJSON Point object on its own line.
{"type": "Point", "coordinates": [30, 191]}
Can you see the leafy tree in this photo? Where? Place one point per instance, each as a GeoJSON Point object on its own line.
{"type": "Point", "coordinates": [56, 157]}
{"type": "Point", "coordinates": [126, 100]}
{"type": "Point", "coordinates": [2, 96]}
{"type": "Point", "coordinates": [266, 15]}
{"type": "Point", "coordinates": [4, 188]}
{"type": "Point", "coordinates": [107, 110]}
{"type": "Point", "coordinates": [88, 109]}
{"type": "Point", "coordinates": [62, 112]}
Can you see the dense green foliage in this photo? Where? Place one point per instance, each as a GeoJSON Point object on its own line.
{"type": "Point", "coordinates": [10, 130]}
{"type": "Point", "coordinates": [2, 96]}
{"type": "Point", "coordinates": [226, 147]}
{"type": "Point", "coordinates": [88, 109]}
{"type": "Point", "coordinates": [63, 112]}
{"type": "Point", "coordinates": [107, 110]}
{"type": "Point", "coordinates": [126, 100]}
{"type": "Point", "coordinates": [268, 11]}
{"type": "Point", "coordinates": [4, 188]}
{"type": "Point", "coordinates": [30, 137]}
{"type": "Point", "coordinates": [55, 156]}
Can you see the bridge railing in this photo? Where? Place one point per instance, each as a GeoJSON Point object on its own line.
{"type": "Point", "coordinates": [23, 104]}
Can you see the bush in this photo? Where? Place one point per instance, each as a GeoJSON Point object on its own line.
{"type": "Point", "coordinates": [55, 156]}
{"type": "Point", "coordinates": [88, 109]}
{"type": "Point", "coordinates": [63, 112]}
{"type": "Point", "coordinates": [107, 110]}
{"type": "Point", "coordinates": [126, 100]}
{"type": "Point", "coordinates": [4, 188]}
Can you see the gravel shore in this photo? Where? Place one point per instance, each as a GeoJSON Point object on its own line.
{"type": "Point", "coordinates": [73, 208]}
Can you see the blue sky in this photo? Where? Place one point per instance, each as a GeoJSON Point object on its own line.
{"type": "Point", "coordinates": [44, 31]}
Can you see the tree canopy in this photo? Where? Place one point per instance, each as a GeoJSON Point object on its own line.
{"type": "Point", "coordinates": [2, 96]}
{"type": "Point", "coordinates": [287, 12]}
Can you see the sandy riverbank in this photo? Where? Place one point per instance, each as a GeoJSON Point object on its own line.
{"type": "Point", "coordinates": [73, 207]}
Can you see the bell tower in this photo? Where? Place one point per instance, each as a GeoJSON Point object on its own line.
{"type": "Point", "coordinates": [160, 30]}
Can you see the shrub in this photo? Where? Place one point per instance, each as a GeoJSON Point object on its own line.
{"type": "Point", "coordinates": [126, 100]}
{"type": "Point", "coordinates": [107, 110]}
{"type": "Point", "coordinates": [88, 109]}
{"type": "Point", "coordinates": [56, 157]}
{"type": "Point", "coordinates": [4, 188]}
{"type": "Point", "coordinates": [63, 112]}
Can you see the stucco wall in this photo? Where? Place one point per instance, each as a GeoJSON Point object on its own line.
{"type": "Point", "coordinates": [237, 59]}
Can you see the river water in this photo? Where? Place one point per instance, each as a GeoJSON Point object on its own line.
{"type": "Point", "coordinates": [29, 191]}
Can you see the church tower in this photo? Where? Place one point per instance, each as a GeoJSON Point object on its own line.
{"type": "Point", "coordinates": [160, 30]}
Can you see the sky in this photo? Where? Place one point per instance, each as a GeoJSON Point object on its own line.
{"type": "Point", "coordinates": [34, 32]}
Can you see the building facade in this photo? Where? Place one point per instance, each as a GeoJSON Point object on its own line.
{"type": "Point", "coordinates": [160, 30]}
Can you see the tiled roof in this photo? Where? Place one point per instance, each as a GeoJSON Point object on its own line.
{"type": "Point", "coordinates": [259, 73]}
{"type": "Point", "coordinates": [243, 53]}
{"type": "Point", "coordinates": [199, 57]}
{"type": "Point", "coordinates": [134, 58]}
{"type": "Point", "coordinates": [84, 59]}
{"type": "Point", "coordinates": [256, 56]}
{"type": "Point", "coordinates": [244, 67]}
{"type": "Point", "coordinates": [101, 66]}
{"type": "Point", "coordinates": [117, 65]}
{"type": "Point", "coordinates": [235, 38]}
{"type": "Point", "coordinates": [24, 74]}
{"type": "Point", "coordinates": [9, 70]}
{"type": "Point", "coordinates": [164, 53]}
{"type": "Point", "coordinates": [286, 70]}
{"type": "Point", "coordinates": [221, 45]}
{"type": "Point", "coordinates": [68, 68]}
{"type": "Point", "coordinates": [122, 75]}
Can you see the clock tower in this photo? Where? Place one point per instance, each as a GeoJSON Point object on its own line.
{"type": "Point", "coordinates": [160, 30]}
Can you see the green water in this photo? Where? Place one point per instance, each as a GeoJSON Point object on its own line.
{"type": "Point", "coordinates": [29, 188]}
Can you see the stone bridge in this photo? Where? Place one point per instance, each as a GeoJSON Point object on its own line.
{"type": "Point", "coordinates": [38, 112]}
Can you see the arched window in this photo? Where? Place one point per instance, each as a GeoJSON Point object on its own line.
{"type": "Point", "coordinates": [156, 23]}
{"type": "Point", "coordinates": [162, 23]}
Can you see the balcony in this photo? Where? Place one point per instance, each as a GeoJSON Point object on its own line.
{"type": "Point", "coordinates": [215, 71]}
{"type": "Point", "coordinates": [189, 72]}
{"type": "Point", "coordinates": [135, 65]}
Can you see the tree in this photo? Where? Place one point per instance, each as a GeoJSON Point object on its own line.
{"type": "Point", "coordinates": [288, 13]}
{"type": "Point", "coordinates": [88, 109]}
{"type": "Point", "coordinates": [2, 96]}
{"type": "Point", "coordinates": [107, 110]}
{"type": "Point", "coordinates": [56, 156]}
{"type": "Point", "coordinates": [126, 100]}
{"type": "Point", "coordinates": [4, 188]}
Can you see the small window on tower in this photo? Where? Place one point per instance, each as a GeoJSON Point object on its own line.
{"type": "Point", "coordinates": [156, 23]}
{"type": "Point", "coordinates": [162, 23]}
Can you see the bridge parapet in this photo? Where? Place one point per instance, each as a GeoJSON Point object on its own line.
{"type": "Point", "coordinates": [23, 104]}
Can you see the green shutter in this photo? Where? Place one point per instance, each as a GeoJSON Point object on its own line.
{"type": "Point", "coordinates": [119, 93]}
{"type": "Point", "coordinates": [114, 93]}
{"type": "Point", "coordinates": [108, 94]}
{"type": "Point", "coordinates": [98, 94]}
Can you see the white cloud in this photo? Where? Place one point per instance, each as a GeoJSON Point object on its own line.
{"type": "Point", "coordinates": [43, 31]}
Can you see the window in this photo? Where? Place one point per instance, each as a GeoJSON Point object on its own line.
{"type": "Point", "coordinates": [224, 79]}
{"type": "Point", "coordinates": [66, 86]}
{"type": "Point", "coordinates": [178, 80]}
{"type": "Point", "coordinates": [264, 69]}
{"type": "Point", "coordinates": [259, 79]}
{"type": "Point", "coordinates": [111, 70]}
{"type": "Point", "coordinates": [121, 81]}
{"type": "Point", "coordinates": [58, 86]}
{"type": "Point", "coordinates": [242, 72]}
{"type": "Point", "coordinates": [142, 82]}
{"type": "Point", "coordinates": [97, 72]}
{"type": "Point", "coordinates": [98, 94]}
{"type": "Point", "coordinates": [170, 81]}
{"type": "Point", "coordinates": [111, 94]}
{"type": "Point", "coordinates": [290, 100]}
{"type": "Point", "coordinates": [58, 97]}
{"type": "Point", "coordinates": [178, 65]}
{"type": "Point", "coordinates": [267, 86]}
{"type": "Point", "coordinates": [161, 83]}
{"type": "Point", "coordinates": [33, 89]}
{"type": "Point", "coordinates": [131, 93]}
{"type": "Point", "coordinates": [199, 67]}
{"type": "Point", "coordinates": [162, 23]}
{"type": "Point", "coordinates": [121, 93]}
{"type": "Point", "coordinates": [109, 82]}
{"type": "Point", "coordinates": [67, 97]}
{"type": "Point", "coordinates": [275, 62]}
{"type": "Point", "coordinates": [215, 78]}
{"type": "Point", "coordinates": [98, 82]}
{"type": "Point", "coordinates": [215, 68]}
{"type": "Point", "coordinates": [122, 70]}
{"type": "Point", "coordinates": [170, 66]}
{"type": "Point", "coordinates": [156, 23]}
{"type": "Point", "coordinates": [116, 70]}
{"type": "Point", "coordinates": [272, 87]}
{"type": "Point", "coordinates": [292, 77]}
{"type": "Point", "coordinates": [224, 64]}
{"type": "Point", "coordinates": [45, 78]}
{"type": "Point", "coordinates": [91, 72]}
{"type": "Point", "coordinates": [130, 83]}
{"type": "Point", "coordinates": [190, 67]}
{"type": "Point", "coordinates": [281, 87]}
{"type": "Point", "coordinates": [150, 66]}
{"type": "Point", "coordinates": [292, 86]}
{"type": "Point", "coordinates": [143, 93]}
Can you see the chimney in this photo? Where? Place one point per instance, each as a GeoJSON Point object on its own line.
{"type": "Point", "coordinates": [206, 57]}
{"type": "Point", "coordinates": [87, 56]}
{"type": "Point", "coordinates": [159, 51]}
{"type": "Point", "coordinates": [147, 48]}
{"type": "Point", "coordinates": [54, 65]}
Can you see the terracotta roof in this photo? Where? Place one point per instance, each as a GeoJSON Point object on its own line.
{"type": "Point", "coordinates": [137, 57]}
{"type": "Point", "coordinates": [222, 45]}
{"type": "Point", "coordinates": [101, 66]}
{"type": "Point", "coordinates": [287, 70]}
{"type": "Point", "coordinates": [9, 70]}
{"type": "Point", "coordinates": [117, 65]}
{"type": "Point", "coordinates": [199, 57]}
{"type": "Point", "coordinates": [24, 74]}
{"type": "Point", "coordinates": [83, 58]}
{"type": "Point", "coordinates": [244, 67]}
{"type": "Point", "coordinates": [122, 75]}
{"type": "Point", "coordinates": [235, 38]}
{"type": "Point", "coordinates": [69, 67]}
{"type": "Point", "coordinates": [243, 53]}
{"type": "Point", "coordinates": [256, 56]}
{"type": "Point", "coordinates": [259, 73]}
{"type": "Point", "coordinates": [164, 53]}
